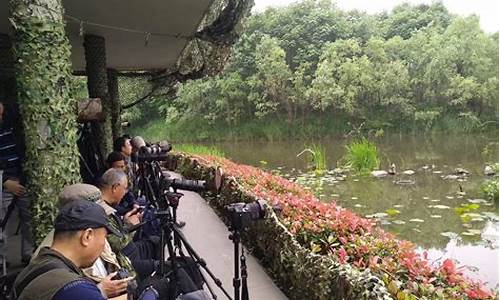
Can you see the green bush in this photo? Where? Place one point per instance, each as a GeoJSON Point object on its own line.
{"type": "Point", "coordinates": [490, 188]}
{"type": "Point", "coordinates": [362, 156]}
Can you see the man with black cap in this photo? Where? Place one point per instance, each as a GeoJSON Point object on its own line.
{"type": "Point", "coordinates": [80, 232]}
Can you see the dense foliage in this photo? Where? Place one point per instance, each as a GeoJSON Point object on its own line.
{"type": "Point", "coordinates": [310, 69]}
{"type": "Point", "coordinates": [330, 230]}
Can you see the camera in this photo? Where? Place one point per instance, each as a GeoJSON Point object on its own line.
{"type": "Point", "coordinates": [156, 149]}
{"type": "Point", "coordinates": [242, 214]}
{"type": "Point", "coordinates": [188, 185]}
{"type": "Point", "coordinates": [152, 152]}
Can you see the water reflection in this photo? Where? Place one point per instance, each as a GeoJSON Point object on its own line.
{"type": "Point", "coordinates": [482, 261]}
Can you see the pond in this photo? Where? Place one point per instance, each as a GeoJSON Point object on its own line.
{"type": "Point", "coordinates": [448, 218]}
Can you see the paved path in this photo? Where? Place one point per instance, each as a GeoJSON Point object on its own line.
{"type": "Point", "coordinates": [209, 237]}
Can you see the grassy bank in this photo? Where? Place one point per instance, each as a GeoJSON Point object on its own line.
{"type": "Point", "coordinates": [275, 129]}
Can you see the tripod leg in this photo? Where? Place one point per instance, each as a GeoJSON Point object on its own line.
{"type": "Point", "coordinates": [199, 261]}
{"type": "Point", "coordinates": [244, 275]}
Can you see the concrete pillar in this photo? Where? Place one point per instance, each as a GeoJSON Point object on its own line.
{"type": "Point", "coordinates": [43, 78]}
{"type": "Point", "coordinates": [115, 105]}
{"type": "Point", "coordinates": [97, 83]}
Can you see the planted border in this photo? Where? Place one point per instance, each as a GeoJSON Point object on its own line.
{"type": "Point", "coordinates": [319, 250]}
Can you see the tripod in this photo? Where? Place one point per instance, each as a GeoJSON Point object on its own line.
{"type": "Point", "coordinates": [240, 266]}
{"type": "Point", "coordinates": [156, 188]}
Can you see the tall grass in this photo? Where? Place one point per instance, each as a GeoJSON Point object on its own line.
{"type": "Point", "coordinates": [362, 156]}
{"type": "Point", "coordinates": [199, 149]}
{"type": "Point", "coordinates": [318, 156]}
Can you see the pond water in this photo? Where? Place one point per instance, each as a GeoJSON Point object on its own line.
{"type": "Point", "coordinates": [422, 212]}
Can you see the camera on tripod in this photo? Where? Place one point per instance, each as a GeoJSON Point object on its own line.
{"type": "Point", "coordinates": [152, 152]}
{"type": "Point", "coordinates": [242, 214]}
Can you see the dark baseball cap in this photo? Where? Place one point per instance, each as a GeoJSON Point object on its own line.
{"type": "Point", "coordinates": [82, 214]}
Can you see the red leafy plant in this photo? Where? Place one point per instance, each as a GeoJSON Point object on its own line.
{"type": "Point", "coordinates": [328, 229]}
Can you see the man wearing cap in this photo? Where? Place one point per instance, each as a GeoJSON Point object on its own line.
{"type": "Point", "coordinates": [80, 232]}
{"type": "Point", "coordinates": [105, 267]}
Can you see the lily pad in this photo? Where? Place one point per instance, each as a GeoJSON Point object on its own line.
{"type": "Point", "coordinates": [417, 220]}
{"type": "Point", "coordinates": [392, 212]}
{"type": "Point", "coordinates": [477, 201]}
{"type": "Point", "coordinates": [471, 232]}
{"type": "Point", "coordinates": [377, 215]}
{"type": "Point", "coordinates": [449, 234]}
{"type": "Point", "coordinates": [439, 206]}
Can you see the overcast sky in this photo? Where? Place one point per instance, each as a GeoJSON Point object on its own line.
{"type": "Point", "coordinates": [484, 8]}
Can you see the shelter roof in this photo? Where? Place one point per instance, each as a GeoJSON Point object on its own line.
{"type": "Point", "coordinates": [140, 35]}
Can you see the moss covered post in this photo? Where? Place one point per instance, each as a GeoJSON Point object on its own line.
{"type": "Point", "coordinates": [97, 84]}
{"type": "Point", "coordinates": [114, 103]}
{"type": "Point", "coordinates": [43, 75]}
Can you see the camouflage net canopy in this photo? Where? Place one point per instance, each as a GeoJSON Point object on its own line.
{"type": "Point", "coordinates": [204, 55]}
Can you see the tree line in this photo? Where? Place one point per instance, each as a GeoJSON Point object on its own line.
{"type": "Point", "coordinates": [315, 69]}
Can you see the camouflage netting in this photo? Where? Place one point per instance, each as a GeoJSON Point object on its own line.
{"type": "Point", "coordinates": [204, 55]}
{"type": "Point", "coordinates": [300, 273]}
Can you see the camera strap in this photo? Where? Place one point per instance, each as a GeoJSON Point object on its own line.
{"type": "Point", "coordinates": [35, 274]}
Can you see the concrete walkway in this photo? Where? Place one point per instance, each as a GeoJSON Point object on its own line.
{"type": "Point", "coordinates": [208, 235]}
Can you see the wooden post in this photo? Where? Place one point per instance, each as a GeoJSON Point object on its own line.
{"type": "Point", "coordinates": [43, 76]}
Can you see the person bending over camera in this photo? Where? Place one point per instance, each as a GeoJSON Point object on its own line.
{"type": "Point", "coordinates": [142, 253]}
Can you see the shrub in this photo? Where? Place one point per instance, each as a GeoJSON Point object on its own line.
{"type": "Point", "coordinates": [490, 188]}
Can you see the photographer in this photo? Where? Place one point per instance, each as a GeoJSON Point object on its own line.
{"type": "Point", "coordinates": [143, 253]}
{"type": "Point", "coordinates": [80, 232]}
{"type": "Point", "coordinates": [14, 192]}
{"type": "Point", "coordinates": [116, 160]}
{"type": "Point", "coordinates": [108, 263]}
{"type": "Point", "coordinates": [122, 145]}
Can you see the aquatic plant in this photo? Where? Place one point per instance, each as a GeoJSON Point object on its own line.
{"type": "Point", "coordinates": [490, 187]}
{"type": "Point", "coordinates": [361, 156]}
{"type": "Point", "coordinates": [318, 155]}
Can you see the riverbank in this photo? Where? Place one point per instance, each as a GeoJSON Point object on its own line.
{"type": "Point", "coordinates": [274, 129]}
